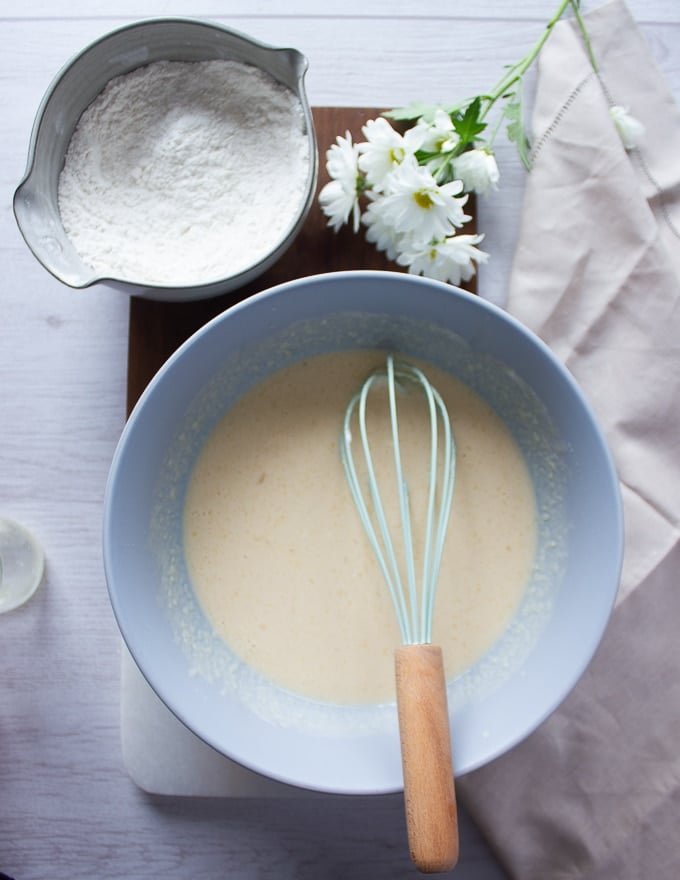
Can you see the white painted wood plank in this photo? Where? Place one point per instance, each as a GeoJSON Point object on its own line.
{"type": "Point", "coordinates": [541, 10]}
{"type": "Point", "coordinates": [384, 66]}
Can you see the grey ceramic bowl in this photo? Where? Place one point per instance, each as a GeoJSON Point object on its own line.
{"type": "Point", "coordinates": [78, 84]}
{"type": "Point", "coordinates": [495, 703]}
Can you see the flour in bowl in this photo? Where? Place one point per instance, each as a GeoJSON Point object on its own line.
{"type": "Point", "coordinates": [183, 173]}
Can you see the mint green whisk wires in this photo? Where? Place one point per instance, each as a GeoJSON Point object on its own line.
{"type": "Point", "coordinates": [413, 600]}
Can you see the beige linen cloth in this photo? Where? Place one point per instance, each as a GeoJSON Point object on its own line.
{"type": "Point", "coordinates": [595, 791]}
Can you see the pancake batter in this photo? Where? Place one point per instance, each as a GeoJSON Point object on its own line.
{"type": "Point", "coordinates": [278, 557]}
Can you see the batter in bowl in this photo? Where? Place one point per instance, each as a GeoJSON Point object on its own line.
{"type": "Point", "coordinates": [279, 560]}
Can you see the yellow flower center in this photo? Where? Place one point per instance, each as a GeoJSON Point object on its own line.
{"type": "Point", "coordinates": [423, 199]}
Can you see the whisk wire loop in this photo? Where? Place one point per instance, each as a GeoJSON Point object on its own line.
{"type": "Point", "coordinates": [379, 539]}
{"type": "Point", "coordinates": [414, 608]}
{"type": "Point", "coordinates": [404, 505]}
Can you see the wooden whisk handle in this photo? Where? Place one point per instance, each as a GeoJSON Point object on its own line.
{"type": "Point", "coordinates": [429, 792]}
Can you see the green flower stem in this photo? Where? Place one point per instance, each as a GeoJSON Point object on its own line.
{"type": "Point", "coordinates": [517, 71]}
{"type": "Point", "coordinates": [494, 131]}
{"type": "Point", "coordinates": [584, 33]}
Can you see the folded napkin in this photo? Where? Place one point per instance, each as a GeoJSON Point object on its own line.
{"type": "Point", "coordinates": [595, 791]}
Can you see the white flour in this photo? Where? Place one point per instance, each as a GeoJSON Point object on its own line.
{"type": "Point", "coordinates": [184, 172]}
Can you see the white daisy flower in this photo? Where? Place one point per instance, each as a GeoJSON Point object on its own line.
{"type": "Point", "coordinates": [340, 196]}
{"type": "Point", "coordinates": [439, 135]}
{"type": "Point", "coordinates": [451, 260]}
{"type": "Point", "coordinates": [629, 128]}
{"type": "Point", "coordinates": [385, 149]}
{"type": "Point", "coordinates": [380, 229]}
{"type": "Point", "coordinates": [478, 171]}
{"type": "Point", "coordinates": [416, 205]}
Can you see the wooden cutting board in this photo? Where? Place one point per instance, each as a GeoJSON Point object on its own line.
{"type": "Point", "coordinates": [157, 328]}
{"type": "Point", "coordinates": [160, 754]}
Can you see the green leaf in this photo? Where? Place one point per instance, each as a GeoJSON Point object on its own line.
{"type": "Point", "coordinates": [469, 126]}
{"type": "Point", "coordinates": [414, 110]}
{"type": "Point", "coordinates": [512, 111]}
{"type": "Point", "coordinates": [417, 110]}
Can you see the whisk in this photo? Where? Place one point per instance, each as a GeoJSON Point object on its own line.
{"type": "Point", "coordinates": [429, 792]}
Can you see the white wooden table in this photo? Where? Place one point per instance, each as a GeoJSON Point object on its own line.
{"type": "Point", "coordinates": [68, 808]}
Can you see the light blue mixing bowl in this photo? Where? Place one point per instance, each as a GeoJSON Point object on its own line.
{"type": "Point", "coordinates": [557, 628]}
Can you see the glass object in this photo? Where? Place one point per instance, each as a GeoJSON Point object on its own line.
{"type": "Point", "coordinates": [21, 565]}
